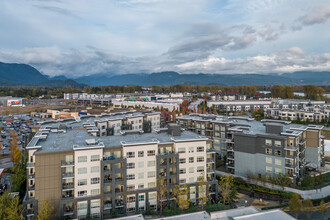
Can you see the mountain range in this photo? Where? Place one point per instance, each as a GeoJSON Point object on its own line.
{"type": "Point", "coordinates": [12, 74]}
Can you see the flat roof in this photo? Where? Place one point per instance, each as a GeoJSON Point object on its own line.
{"type": "Point", "coordinates": [190, 216]}
{"type": "Point", "coordinates": [269, 215]}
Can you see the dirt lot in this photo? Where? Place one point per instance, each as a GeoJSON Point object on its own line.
{"type": "Point", "coordinates": [26, 109]}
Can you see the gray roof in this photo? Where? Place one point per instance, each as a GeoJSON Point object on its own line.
{"type": "Point", "coordinates": [191, 216]}
{"type": "Point", "coordinates": [269, 215]}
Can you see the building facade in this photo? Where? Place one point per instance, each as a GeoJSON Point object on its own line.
{"type": "Point", "coordinates": [268, 147]}
{"type": "Point", "coordinates": [99, 176]}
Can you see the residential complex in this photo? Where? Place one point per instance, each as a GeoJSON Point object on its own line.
{"type": "Point", "coordinates": [240, 105]}
{"type": "Point", "coordinates": [98, 166]}
{"type": "Point", "coordinates": [267, 147]}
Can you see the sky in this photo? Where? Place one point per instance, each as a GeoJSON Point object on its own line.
{"type": "Point", "coordinates": [84, 37]}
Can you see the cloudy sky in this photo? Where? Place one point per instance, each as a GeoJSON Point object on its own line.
{"type": "Point", "coordinates": [83, 37]}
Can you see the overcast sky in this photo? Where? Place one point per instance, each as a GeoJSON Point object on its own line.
{"type": "Point", "coordinates": [84, 37]}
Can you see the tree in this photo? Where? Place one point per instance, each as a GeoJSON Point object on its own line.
{"type": "Point", "coordinates": [308, 207]}
{"type": "Point", "coordinates": [13, 146]}
{"type": "Point", "coordinates": [295, 205]}
{"type": "Point", "coordinates": [307, 181]}
{"type": "Point", "coordinates": [226, 184]}
{"type": "Point", "coordinates": [283, 180]}
{"type": "Point", "coordinates": [323, 208]}
{"type": "Point", "coordinates": [162, 190]}
{"type": "Point", "coordinates": [17, 155]}
{"type": "Point", "coordinates": [202, 191]}
{"type": "Point", "coordinates": [181, 196]}
{"type": "Point", "coordinates": [10, 208]}
{"type": "Point", "coordinates": [45, 211]}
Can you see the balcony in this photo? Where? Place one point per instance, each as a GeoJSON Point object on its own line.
{"type": "Point", "coordinates": [67, 163]}
{"type": "Point", "coordinates": [67, 186]}
{"type": "Point", "coordinates": [108, 204]}
{"type": "Point", "coordinates": [210, 160]}
{"type": "Point", "coordinates": [119, 203]}
{"type": "Point", "coordinates": [31, 187]}
{"type": "Point", "coordinates": [302, 141]}
{"type": "Point", "coordinates": [30, 165]}
{"type": "Point", "coordinates": [111, 158]}
{"type": "Point", "coordinates": [107, 179]}
{"type": "Point", "coordinates": [209, 170]}
{"type": "Point", "coordinates": [290, 165]}
{"type": "Point", "coordinates": [30, 212]}
{"type": "Point", "coordinates": [68, 210]}
{"type": "Point", "coordinates": [231, 165]}
{"type": "Point", "coordinates": [67, 196]}
{"type": "Point", "coordinates": [68, 175]}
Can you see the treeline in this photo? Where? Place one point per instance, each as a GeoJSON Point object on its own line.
{"type": "Point", "coordinates": [244, 90]}
{"type": "Point", "coordinates": [311, 92]}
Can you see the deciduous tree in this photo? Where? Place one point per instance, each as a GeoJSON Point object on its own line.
{"type": "Point", "coordinates": [226, 184]}
{"type": "Point", "coordinates": [202, 191]}
{"type": "Point", "coordinates": [162, 191]}
{"type": "Point", "coordinates": [181, 196]}
{"type": "Point", "coordinates": [295, 205]}
{"type": "Point", "coordinates": [45, 211]}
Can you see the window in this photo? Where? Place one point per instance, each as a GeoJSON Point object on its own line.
{"type": "Point", "coordinates": [191, 169]}
{"type": "Point", "coordinates": [151, 174]}
{"type": "Point", "coordinates": [95, 180]}
{"type": "Point", "coordinates": [95, 204]}
{"type": "Point", "coordinates": [268, 142]}
{"type": "Point", "coordinates": [131, 177]}
{"type": "Point", "coordinates": [183, 160]}
{"type": "Point", "coordinates": [191, 159]}
{"type": "Point", "coordinates": [141, 154]}
{"type": "Point", "coordinates": [130, 165]}
{"type": "Point", "coordinates": [200, 159]}
{"type": "Point", "coordinates": [278, 152]}
{"type": "Point", "coordinates": [268, 151]}
{"type": "Point", "coordinates": [278, 162]}
{"type": "Point", "coordinates": [95, 169]}
{"type": "Point", "coordinates": [82, 182]}
{"type": "Point", "coordinates": [181, 150]}
{"type": "Point", "coordinates": [151, 184]}
{"type": "Point", "coordinates": [182, 180]}
{"type": "Point", "coordinates": [183, 171]}
{"type": "Point", "coordinates": [141, 198]}
{"type": "Point", "coordinates": [82, 193]}
{"type": "Point", "coordinates": [68, 158]}
{"type": "Point", "coordinates": [151, 163]}
{"type": "Point", "coordinates": [130, 187]}
{"type": "Point", "coordinates": [151, 153]}
{"type": "Point", "coordinates": [95, 191]}
{"type": "Point", "coordinates": [152, 196]}
{"type": "Point", "coordinates": [277, 143]}
{"type": "Point", "coordinates": [269, 169]}
{"type": "Point", "coordinates": [130, 154]}
{"type": "Point", "coordinates": [191, 149]}
{"type": "Point", "coordinates": [269, 160]}
{"type": "Point", "coordinates": [141, 175]}
{"type": "Point", "coordinates": [200, 149]}
{"type": "Point", "coordinates": [82, 170]}
{"type": "Point", "coordinates": [141, 186]}
{"type": "Point", "coordinates": [82, 159]}
{"type": "Point", "coordinates": [82, 205]}
{"type": "Point", "coordinates": [141, 164]}
{"type": "Point", "coordinates": [200, 169]}
{"type": "Point", "coordinates": [95, 158]}
{"type": "Point", "coordinates": [131, 199]}
{"type": "Point", "coordinates": [191, 179]}
{"type": "Point", "coordinates": [278, 170]}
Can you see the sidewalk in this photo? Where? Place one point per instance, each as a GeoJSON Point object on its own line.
{"type": "Point", "coordinates": [305, 194]}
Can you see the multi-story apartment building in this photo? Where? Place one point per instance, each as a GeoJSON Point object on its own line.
{"type": "Point", "coordinates": [240, 105]}
{"type": "Point", "coordinates": [87, 172]}
{"type": "Point", "coordinates": [266, 147]}
{"type": "Point", "coordinates": [310, 113]}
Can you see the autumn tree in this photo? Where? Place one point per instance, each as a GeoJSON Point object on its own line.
{"type": "Point", "coordinates": [10, 207]}
{"type": "Point", "coordinates": [308, 207]}
{"type": "Point", "coordinates": [162, 191]}
{"type": "Point", "coordinates": [283, 180]}
{"type": "Point", "coordinates": [202, 191]}
{"type": "Point", "coordinates": [45, 211]}
{"type": "Point", "coordinates": [226, 184]}
{"type": "Point", "coordinates": [13, 146]}
{"type": "Point", "coordinates": [17, 155]}
{"type": "Point", "coordinates": [181, 196]}
{"type": "Point", "coordinates": [295, 205]}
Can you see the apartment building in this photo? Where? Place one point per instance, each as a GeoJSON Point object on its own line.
{"type": "Point", "coordinates": [240, 105]}
{"type": "Point", "coordinates": [267, 147]}
{"type": "Point", "coordinates": [310, 113]}
{"type": "Point", "coordinates": [88, 175]}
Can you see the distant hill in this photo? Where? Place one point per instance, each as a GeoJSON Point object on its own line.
{"type": "Point", "coordinates": [174, 78]}
{"type": "Point", "coordinates": [13, 74]}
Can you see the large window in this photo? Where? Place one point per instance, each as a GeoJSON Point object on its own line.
{"type": "Point", "coordinates": [130, 154]}
{"type": "Point", "coordinates": [141, 164]}
{"type": "Point", "coordinates": [191, 149]}
{"type": "Point", "coordinates": [151, 163]}
{"type": "Point", "coordinates": [95, 180]}
{"type": "Point", "coordinates": [141, 175]}
{"type": "Point", "coordinates": [269, 169]}
{"type": "Point", "coordinates": [95, 203]}
{"type": "Point", "coordinates": [183, 160]}
{"type": "Point", "coordinates": [268, 151]}
{"type": "Point", "coordinates": [82, 159]}
{"type": "Point", "coordinates": [95, 169]}
{"type": "Point", "coordinates": [200, 159]}
{"type": "Point", "coordinates": [277, 143]}
{"type": "Point", "coordinates": [82, 182]}
{"type": "Point", "coordinates": [181, 150]}
{"type": "Point", "coordinates": [200, 149]}
{"type": "Point", "coordinates": [141, 198]}
{"type": "Point", "coordinates": [191, 159]}
{"type": "Point", "coordinates": [278, 162]}
{"type": "Point", "coordinates": [82, 170]}
{"type": "Point", "coordinates": [151, 153]}
{"type": "Point", "coordinates": [141, 154]}
{"type": "Point", "coordinates": [151, 184]}
{"type": "Point", "coordinates": [82, 205]}
{"type": "Point", "coordinates": [82, 193]}
{"type": "Point", "coordinates": [130, 165]}
{"type": "Point", "coordinates": [268, 142]}
{"type": "Point", "coordinates": [200, 169]}
{"type": "Point", "coordinates": [130, 176]}
{"type": "Point", "coordinates": [183, 171]}
{"type": "Point", "coordinates": [95, 158]}
{"type": "Point", "coordinates": [95, 191]}
{"type": "Point", "coordinates": [269, 160]}
{"type": "Point", "coordinates": [151, 174]}
{"type": "Point", "coordinates": [191, 169]}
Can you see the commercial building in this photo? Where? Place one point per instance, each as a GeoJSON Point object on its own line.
{"type": "Point", "coordinates": [12, 101]}
{"type": "Point", "coordinates": [268, 147]}
{"type": "Point", "coordinates": [97, 166]}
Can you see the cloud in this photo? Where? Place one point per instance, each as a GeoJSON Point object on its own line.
{"type": "Point", "coordinates": [58, 10]}
{"type": "Point", "coordinates": [316, 15]}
